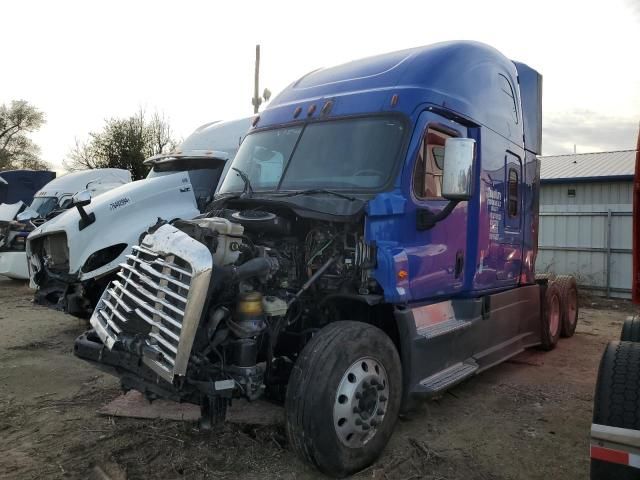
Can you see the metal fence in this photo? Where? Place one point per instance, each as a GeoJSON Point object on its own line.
{"type": "Point", "coordinates": [590, 242]}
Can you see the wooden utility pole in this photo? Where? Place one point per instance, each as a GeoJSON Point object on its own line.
{"type": "Point", "coordinates": [257, 100]}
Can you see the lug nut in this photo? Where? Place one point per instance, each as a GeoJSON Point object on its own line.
{"type": "Point", "coordinates": [374, 423]}
{"type": "Point", "coordinates": [380, 387]}
{"type": "Point", "coordinates": [374, 382]}
{"type": "Point", "coordinates": [358, 421]}
{"type": "Point", "coordinates": [365, 384]}
{"type": "Point", "coordinates": [365, 427]}
{"type": "Point", "coordinates": [380, 412]}
{"type": "Point", "coordinates": [356, 409]}
{"type": "Point", "coordinates": [383, 398]}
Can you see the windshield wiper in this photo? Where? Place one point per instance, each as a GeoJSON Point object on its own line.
{"type": "Point", "coordinates": [313, 191]}
{"type": "Point", "coordinates": [247, 191]}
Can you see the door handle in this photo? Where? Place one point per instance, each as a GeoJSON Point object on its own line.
{"type": "Point", "coordinates": [459, 263]}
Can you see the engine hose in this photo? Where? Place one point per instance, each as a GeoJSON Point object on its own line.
{"type": "Point", "coordinates": [313, 278]}
{"type": "Point", "coordinates": [256, 267]}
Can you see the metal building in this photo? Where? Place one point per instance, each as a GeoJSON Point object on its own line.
{"type": "Point", "coordinates": [585, 219]}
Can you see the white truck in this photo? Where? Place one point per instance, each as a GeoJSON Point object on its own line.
{"type": "Point", "coordinates": [74, 256]}
{"type": "Point", "coordinates": [17, 220]}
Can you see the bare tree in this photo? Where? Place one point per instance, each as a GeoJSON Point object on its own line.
{"type": "Point", "coordinates": [17, 150]}
{"type": "Point", "coordinates": [81, 157]}
{"type": "Point", "coordinates": [123, 143]}
{"type": "Point", "coordinates": [161, 135]}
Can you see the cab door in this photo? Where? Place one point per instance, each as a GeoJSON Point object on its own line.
{"type": "Point", "coordinates": [435, 255]}
{"type": "Point", "coordinates": [512, 238]}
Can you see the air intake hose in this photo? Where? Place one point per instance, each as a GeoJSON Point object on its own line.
{"type": "Point", "coordinates": [256, 267]}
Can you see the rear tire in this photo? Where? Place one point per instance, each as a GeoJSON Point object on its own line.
{"type": "Point", "coordinates": [569, 298]}
{"type": "Point", "coordinates": [349, 375]}
{"type": "Point", "coordinates": [617, 402]}
{"type": "Point", "coordinates": [550, 316]}
{"type": "Point", "coordinates": [631, 330]}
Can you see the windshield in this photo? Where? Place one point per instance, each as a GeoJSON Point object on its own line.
{"type": "Point", "coordinates": [352, 154]}
{"type": "Point", "coordinates": [44, 205]}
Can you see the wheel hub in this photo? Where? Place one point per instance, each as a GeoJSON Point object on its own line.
{"type": "Point", "coordinates": [361, 402]}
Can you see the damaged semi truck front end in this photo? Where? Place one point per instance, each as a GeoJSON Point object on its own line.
{"type": "Point", "coordinates": [74, 256]}
{"type": "Point", "coordinates": [374, 242]}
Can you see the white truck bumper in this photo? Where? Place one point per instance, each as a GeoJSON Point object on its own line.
{"type": "Point", "coordinates": [14, 265]}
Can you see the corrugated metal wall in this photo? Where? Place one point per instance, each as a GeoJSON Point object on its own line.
{"type": "Point", "coordinates": [588, 235]}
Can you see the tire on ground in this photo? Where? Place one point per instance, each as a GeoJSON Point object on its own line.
{"type": "Point", "coordinates": [569, 304]}
{"type": "Point", "coordinates": [312, 393]}
{"type": "Point", "coordinates": [550, 316]}
{"type": "Point", "coordinates": [631, 330]}
{"type": "Point", "coordinates": [545, 276]}
{"type": "Point", "coordinates": [617, 401]}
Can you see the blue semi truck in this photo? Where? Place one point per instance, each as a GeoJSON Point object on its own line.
{"type": "Point", "coordinates": [373, 244]}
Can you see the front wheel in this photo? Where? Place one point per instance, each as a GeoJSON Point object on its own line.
{"type": "Point", "coordinates": [343, 397]}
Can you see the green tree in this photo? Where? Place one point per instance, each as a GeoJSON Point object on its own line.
{"type": "Point", "coordinates": [17, 150]}
{"type": "Point", "coordinates": [123, 143]}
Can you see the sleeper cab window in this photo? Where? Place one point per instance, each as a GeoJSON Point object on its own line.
{"type": "Point", "coordinates": [427, 172]}
{"type": "Point", "coordinates": [513, 192]}
{"type": "Point", "coordinates": [509, 97]}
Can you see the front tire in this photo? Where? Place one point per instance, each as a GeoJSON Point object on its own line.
{"type": "Point", "coordinates": [343, 397]}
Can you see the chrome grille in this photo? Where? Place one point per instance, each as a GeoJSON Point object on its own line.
{"type": "Point", "coordinates": [159, 294]}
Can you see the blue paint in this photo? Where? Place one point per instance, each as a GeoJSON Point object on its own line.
{"type": "Point", "coordinates": [22, 185]}
{"type": "Point", "coordinates": [467, 89]}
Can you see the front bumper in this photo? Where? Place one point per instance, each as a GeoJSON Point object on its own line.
{"type": "Point", "coordinates": [14, 265]}
{"type": "Point", "coordinates": [133, 373]}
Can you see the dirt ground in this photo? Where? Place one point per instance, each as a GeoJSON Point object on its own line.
{"type": "Point", "coordinates": [525, 419]}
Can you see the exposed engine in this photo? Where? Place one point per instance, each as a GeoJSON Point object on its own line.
{"type": "Point", "coordinates": [233, 328]}
{"type": "Point", "coordinates": [274, 274]}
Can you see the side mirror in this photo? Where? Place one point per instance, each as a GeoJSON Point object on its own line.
{"type": "Point", "coordinates": [457, 174]}
{"type": "Point", "coordinates": [81, 199]}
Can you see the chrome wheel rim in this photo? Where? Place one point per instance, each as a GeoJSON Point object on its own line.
{"type": "Point", "coordinates": [361, 400]}
{"type": "Point", "coordinates": [554, 316]}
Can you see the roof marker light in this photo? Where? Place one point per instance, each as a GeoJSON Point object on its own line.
{"type": "Point", "coordinates": [311, 110]}
{"type": "Point", "coordinates": [296, 112]}
{"type": "Point", "coordinates": [394, 100]}
{"type": "Point", "coordinates": [326, 108]}
{"type": "Point", "coordinates": [255, 121]}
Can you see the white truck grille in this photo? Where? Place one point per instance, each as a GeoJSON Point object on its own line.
{"type": "Point", "coordinates": [158, 295]}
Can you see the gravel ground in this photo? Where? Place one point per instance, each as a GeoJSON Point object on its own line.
{"type": "Point", "coordinates": [528, 418]}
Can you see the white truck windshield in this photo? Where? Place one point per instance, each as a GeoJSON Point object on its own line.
{"type": "Point", "coordinates": [44, 205]}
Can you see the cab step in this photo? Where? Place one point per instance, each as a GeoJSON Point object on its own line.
{"type": "Point", "coordinates": [449, 377]}
{"type": "Point", "coordinates": [442, 328]}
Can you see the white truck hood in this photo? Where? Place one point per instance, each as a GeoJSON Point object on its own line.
{"type": "Point", "coordinates": [8, 211]}
{"type": "Point", "coordinates": [121, 215]}
{"type": "Point", "coordinates": [96, 181]}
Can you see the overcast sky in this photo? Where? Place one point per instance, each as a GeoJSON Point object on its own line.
{"type": "Point", "coordinates": [81, 62]}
